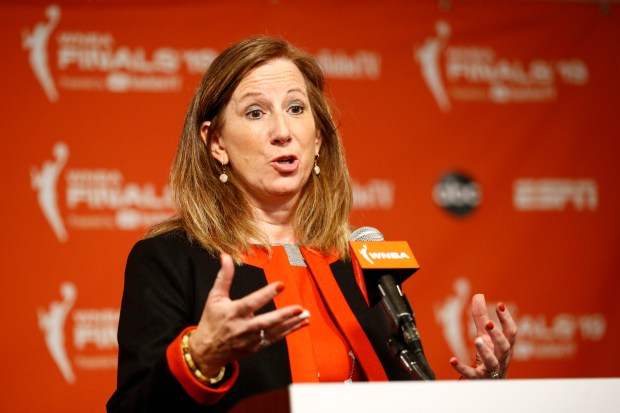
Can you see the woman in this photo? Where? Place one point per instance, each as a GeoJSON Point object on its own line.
{"type": "Point", "coordinates": [217, 301]}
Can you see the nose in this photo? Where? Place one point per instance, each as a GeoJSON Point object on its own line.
{"type": "Point", "coordinates": [281, 131]}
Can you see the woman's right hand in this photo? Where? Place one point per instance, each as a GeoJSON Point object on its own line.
{"type": "Point", "coordinates": [228, 329]}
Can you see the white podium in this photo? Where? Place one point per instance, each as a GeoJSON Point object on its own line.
{"type": "Point", "coordinates": [501, 396]}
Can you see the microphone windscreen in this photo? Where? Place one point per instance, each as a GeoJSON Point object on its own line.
{"type": "Point", "coordinates": [366, 234]}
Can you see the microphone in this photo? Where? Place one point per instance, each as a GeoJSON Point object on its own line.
{"type": "Point", "coordinates": [372, 256]}
{"type": "Point", "coordinates": [386, 265]}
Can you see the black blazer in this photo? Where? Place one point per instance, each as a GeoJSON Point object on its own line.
{"type": "Point", "coordinates": [167, 280]}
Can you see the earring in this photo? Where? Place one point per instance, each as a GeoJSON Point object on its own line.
{"type": "Point", "coordinates": [223, 176]}
{"type": "Point", "coordinates": [317, 170]}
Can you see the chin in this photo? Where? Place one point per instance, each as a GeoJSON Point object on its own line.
{"type": "Point", "coordinates": [286, 190]}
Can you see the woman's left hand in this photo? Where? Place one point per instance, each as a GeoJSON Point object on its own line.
{"type": "Point", "coordinates": [494, 345]}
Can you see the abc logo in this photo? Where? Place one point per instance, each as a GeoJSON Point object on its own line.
{"type": "Point", "coordinates": [457, 193]}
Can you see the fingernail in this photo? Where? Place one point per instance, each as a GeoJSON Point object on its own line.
{"type": "Point", "coordinates": [501, 307]}
{"type": "Point", "coordinates": [454, 361]}
{"type": "Point", "coordinates": [479, 342]}
{"type": "Point", "coordinates": [304, 315]}
{"type": "Point", "coordinates": [489, 325]}
{"type": "Point", "coordinates": [279, 287]}
{"type": "Point", "coordinates": [304, 323]}
{"type": "Point", "coordinates": [297, 311]}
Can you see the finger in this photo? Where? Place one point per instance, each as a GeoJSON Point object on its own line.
{"type": "Point", "coordinates": [281, 334]}
{"type": "Point", "coordinates": [286, 327]}
{"type": "Point", "coordinates": [241, 345]}
{"type": "Point", "coordinates": [463, 369]}
{"type": "Point", "coordinates": [272, 319]}
{"type": "Point", "coordinates": [223, 280]}
{"type": "Point", "coordinates": [479, 312]}
{"type": "Point", "coordinates": [509, 326]}
{"type": "Point", "coordinates": [259, 298]}
{"type": "Point", "coordinates": [250, 338]}
{"type": "Point", "coordinates": [486, 355]}
{"type": "Point", "coordinates": [280, 331]}
{"type": "Point", "coordinates": [500, 342]}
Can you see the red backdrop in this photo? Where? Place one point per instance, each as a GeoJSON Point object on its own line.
{"type": "Point", "coordinates": [484, 134]}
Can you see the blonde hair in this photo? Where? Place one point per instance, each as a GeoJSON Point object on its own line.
{"type": "Point", "coordinates": [218, 215]}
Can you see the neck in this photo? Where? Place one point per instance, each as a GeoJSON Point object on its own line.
{"type": "Point", "coordinates": [277, 222]}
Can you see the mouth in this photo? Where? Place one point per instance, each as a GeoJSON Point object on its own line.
{"type": "Point", "coordinates": [286, 164]}
{"type": "Point", "coordinates": [287, 159]}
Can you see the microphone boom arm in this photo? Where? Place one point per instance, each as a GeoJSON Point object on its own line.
{"type": "Point", "coordinates": [405, 340]}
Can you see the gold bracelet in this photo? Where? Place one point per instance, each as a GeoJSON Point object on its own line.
{"type": "Point", "coordinates": [192, 366]}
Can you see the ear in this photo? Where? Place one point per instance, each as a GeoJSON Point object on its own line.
{"type": "Point", "coordinates": [217, 145]}
{"type": "Point", "coordinates": [317, 142]}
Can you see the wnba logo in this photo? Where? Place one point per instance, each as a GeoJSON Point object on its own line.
{"type": "Point", "coordinates": [44, 180]}
{"type": "Point", "coordinates": [36, 42]}
{"type": "Point", "coordinates": [364, 252]}
{"type": "Point", "coordinates": [428, 57]}
{"type": "Point", "coordinates": [52, 325]}
{"type": "Point", "coordinates": [384, 254]}
{"type": "Point", "coordinates": [390, 255]}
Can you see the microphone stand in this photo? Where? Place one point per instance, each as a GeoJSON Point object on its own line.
{"type": "Point", "coordinates": [404, 341]}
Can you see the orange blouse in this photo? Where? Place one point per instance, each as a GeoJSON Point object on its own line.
{"type": "Point", "coordinates": [319, 352]}
{"type": "Point", "coordinates": [331, 352]}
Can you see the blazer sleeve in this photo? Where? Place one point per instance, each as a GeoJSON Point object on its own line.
{"type": "Point", "coordinates": [157, 305]}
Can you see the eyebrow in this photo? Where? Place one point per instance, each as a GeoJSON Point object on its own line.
{"type": "Point", "coordinates": [253, 94]}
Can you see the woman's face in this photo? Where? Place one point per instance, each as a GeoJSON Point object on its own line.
{"type": "Point", "coordinates": [269, 138]}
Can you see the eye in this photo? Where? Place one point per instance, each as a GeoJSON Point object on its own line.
{"type": "Point", "coordinates": [296, 109]}
{"type": "Point", "coordinates": [254, 113]}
